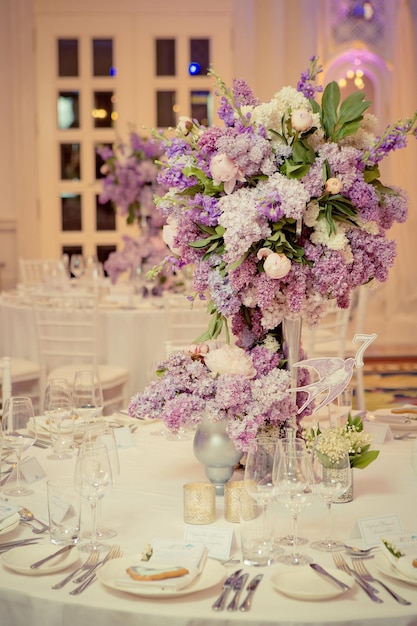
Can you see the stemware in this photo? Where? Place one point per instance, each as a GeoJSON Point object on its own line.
{"type": "Point", "coordinates": [92, 480]}
{"type": "Point", "coordinates": [293, 477]}
{"type": "Point", "coordinates": [101, 432]}
{"type": "Point", "coordinates": [332, 477]}
{"type": "Point", "coordinates": [58, 409]}
{"type": "Point", "coordinates": [87, 395]}
{"type": "Point", "coordinates": [18, 434]}
{"type": "Point", "coordinates": [77, 265]}
{"type": "Point", "coordinates": [260, 460]}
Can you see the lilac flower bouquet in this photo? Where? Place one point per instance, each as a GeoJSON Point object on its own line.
{"type": "Point", "coordinates": [279, 211]}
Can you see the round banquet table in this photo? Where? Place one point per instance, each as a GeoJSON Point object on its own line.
{"type": "Point", "coordinates": [132, 337]}
{"type": "Point", "coordinates": [146, 502]}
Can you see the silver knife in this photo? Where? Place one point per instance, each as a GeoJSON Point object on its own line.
{"type": "Point", "coordinates": [227, 585]}
{"type": "Point", "coordinates": [318, 568]}
{"type": "Point", "coordinates": [247, 602]}
{"type": "Point", "coordinates": [237, 588]}
{"type": "Point", "coordinates": [51, 556]}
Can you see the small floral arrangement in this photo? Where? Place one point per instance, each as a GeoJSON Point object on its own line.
{"type": "Point", "coordinates": [396, 552]}
{"type": "Point", "coordinates": [248, 391]}
{"type": "Point", "coordinates": [351, 437]}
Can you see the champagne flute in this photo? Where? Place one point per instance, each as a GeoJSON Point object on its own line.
{"type": "Point", "coordinates": [289, 540]}
{"type": "Point", "coordinates": [332, 478]}
{"type": "Point", "coordinates": [261, 457]}
{"type": "Point", "coordinates": [293, 477]}
{"type": "Point", "coordinates": [101, 432]}
{"type": "Point", "coordinates": [77, 265]}
{"type": "Point", "coordinates": [58, 409]}
{"type": "Point", "coordinates": [19, 434]}
{"type": "Point", "coordinates": [87, 395]}
{"type": "Point", "coordinates": [92, 481]}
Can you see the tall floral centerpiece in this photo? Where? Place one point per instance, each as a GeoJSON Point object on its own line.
{"type": "Point", "coordinates": [130, 182]}
{"type": "Point", "coordinates": [280, 210]}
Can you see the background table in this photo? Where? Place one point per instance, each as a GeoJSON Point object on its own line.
{"type": "Point", "coordinates": [146, 503]}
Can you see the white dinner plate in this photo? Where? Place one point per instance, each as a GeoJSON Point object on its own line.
{"type": "Point", "coordinates": [114, 570]}
{"type": "Point", "coordinates": [397, 421]}
{"type": "Point", "coordinates": [386, 567]}
{"type": "Point", "coordinates": [20, 559]}
{"type": "Point", "coordinates": [13, 524]}
{"type": "Point", "coordinates": [305, 584]}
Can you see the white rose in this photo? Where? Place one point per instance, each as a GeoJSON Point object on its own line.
{"type": "Point", "coordinates": [169, 233]}
{"type": "Point", "coordinates": [301, 120]}
{"type": "Point", "coordinates": [275, 265]}
{"type": "Point", "coordinates": [230, 360]}
{"type": "Point", "coordinates": [184, 125]}
{"type": "Point", "coordinates": [224, 170]}
{"type": "Point", "coordinates": [333, 185]}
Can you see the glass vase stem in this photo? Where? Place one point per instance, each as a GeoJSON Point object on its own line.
{"type": "Point", "coordinates": [291, 330]}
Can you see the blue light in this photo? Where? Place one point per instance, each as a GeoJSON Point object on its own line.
{"type": "Point", "coordinates": [194, 69]}
{"type": "Point", "coordinates": [113, 71]}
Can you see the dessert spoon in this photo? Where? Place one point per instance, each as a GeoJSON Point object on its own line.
{"type": "Point", "coordinates": [360, 551]}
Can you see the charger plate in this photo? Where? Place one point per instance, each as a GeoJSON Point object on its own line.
{"type": "Point", "coordinates": [303, 583]}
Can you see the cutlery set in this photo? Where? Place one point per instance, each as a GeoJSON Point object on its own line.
{"type": "Point", "coordinates": [236, 582]}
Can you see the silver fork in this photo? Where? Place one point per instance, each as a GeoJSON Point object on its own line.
{"type": "Point", "coordinates": [115, 552]}
{"type": "Point", "coordinates": [364, 573]}
{"type": "Point", "coordinates": [86, 566]}
{"type": "Point", "coordinates": [344, 567]}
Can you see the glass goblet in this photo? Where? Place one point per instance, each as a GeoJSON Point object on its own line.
{"type": "Point", "coordinates": [58, 410]}
{"type": "Point", "coordinates": [293, 477]}
{"type": "Point", "coordinates": [19, 434]}
{"type": "Point", "coordinates": [77, 265]}
{"type": "Point", "coordinates": [92, 480]}
{"type": "Point", "coordinates": [332, 478]}
{"type": "Point", "coordinates": [87, 395]}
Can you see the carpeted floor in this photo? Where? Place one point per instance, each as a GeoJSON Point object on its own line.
{"type": "Point", "coordinates": [390, 384]}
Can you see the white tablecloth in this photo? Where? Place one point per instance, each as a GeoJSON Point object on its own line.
{"type": "Point", "coordinates": [147, 502]}
{"type": "Point", "coordinates": [129, 337]}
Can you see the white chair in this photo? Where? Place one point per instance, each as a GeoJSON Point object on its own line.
{"type": "Point", "coordinates": [330, 337]}
{"type": "Point", "coordinates": [67, 333]}
{"type": "Point", "coordinates": [185, 320]}
{"type": "Point", "coordinates": [20, 377]}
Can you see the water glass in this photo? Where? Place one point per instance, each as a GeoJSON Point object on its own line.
{"type": "Point", "coordinates": [258, 531]}
{"type": "Point", "coordinates": [64, 510]}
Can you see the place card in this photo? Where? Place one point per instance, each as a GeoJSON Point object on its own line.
{"type": "Point", "coordinates": [371, 529]}
{"type": "Point", "coordinates": [31, 470]}
{"type": "Point", "coordinates": [124, 437]}
{"type": "Point", "coordinates": [218, 541]}
{"type": "Point", "coordinates": [381, 432]}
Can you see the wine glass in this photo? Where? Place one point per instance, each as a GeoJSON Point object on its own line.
{"type": "Point", "coordinates": [77, 265]}
{"type": "Point", "coordinates": [103, 433]}
{"type": "Point", "coordinates": [332, 478]}
{"type": "Point", "coordinates": [293, 477]}
{"type": "Point", "coordinates": [260, 459]}
{"type": "Point", "coordinates": [92, 481]}
{"type": "Point", "coordinates": [19, 434]}
{"type": "Point", "coordinates": [58, 409]}
{"type": "Point", "coordinates": [87, 395]}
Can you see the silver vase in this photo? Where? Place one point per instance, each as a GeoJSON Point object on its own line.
{"type": "Point", "coordinates": [216, 451]}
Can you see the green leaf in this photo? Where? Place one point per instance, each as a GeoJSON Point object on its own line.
{"type": "Point", "coordinates": [353, 107]}
{"type": "Point", "coordinates": [329, 104]}
{"type": "Point", "coordinates": [365, 459]}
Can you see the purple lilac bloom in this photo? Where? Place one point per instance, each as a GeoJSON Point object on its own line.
{"type": "Point", "coordinates": [393, 138]}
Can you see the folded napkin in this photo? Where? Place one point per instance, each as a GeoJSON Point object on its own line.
{"type": "Point", "coordinates": [166, 555]}
{"type": "Point", "coordinates": [401, 551]}
{"type": "Point", "coordinates": [8, 516]}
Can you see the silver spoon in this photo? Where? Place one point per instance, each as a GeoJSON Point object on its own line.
{"type": "Point", "coordinates": [27, 517]}
{"type": "Point", "coordinates": [360, 551]}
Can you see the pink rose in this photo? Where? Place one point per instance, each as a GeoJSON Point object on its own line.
{"type": "Point", "coordinates": [224, 170]}
{"type": "Point", "coordinates": [275, 265]}
{"type": "Point", "coordinates": [301, 120]}
{"type": "Point", "coordinates": [197, 349]}
{"type": "Point", "coordinates": [333, 185]}
{"type": "Point", "coordinates": [169, 234]}
{"type": "Point", "coordinates": [230, 359]}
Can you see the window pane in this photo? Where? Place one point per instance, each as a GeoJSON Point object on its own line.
{"type": "Point", "coordinates": [68, 108]}
{"type": "Point", "coordinates": [103, 57]}
{"type": "Point", "coordinates": [200, 53]}
{"type": "Point", "coordinates": [103, 112]}
{"type": "Point", "coordinates": [103, 253]}
{"type": "Point", "coordinates": [200, 106]}
{"type": "Point", "coordinates": [105, 216]}
{"type": "Point", "coordinates": [70, 161]}
{"type": "Point", "coordinates": [70, 250]}
{"type": "Point", "coordinates": [67, 57]}
{"type": "Point", "coordinates": [98, 160]}
{"type": "Point", "coordinates": [71, 212]}
{"type": "Point", "coordinates": [165, 57]}
{"type": "Point", "coordinates": [165, 101]}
